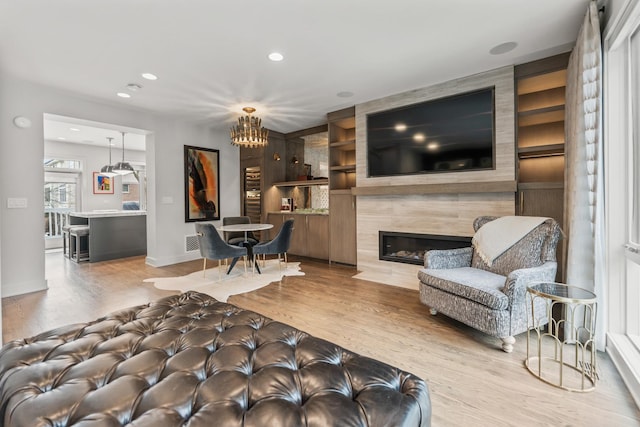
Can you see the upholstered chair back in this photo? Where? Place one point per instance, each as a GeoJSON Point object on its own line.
{"type": "Point", "coordinates": [536, 248]}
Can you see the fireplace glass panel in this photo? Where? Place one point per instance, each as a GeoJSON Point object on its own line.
{"type": "Point", "coordinates": [410, 247]}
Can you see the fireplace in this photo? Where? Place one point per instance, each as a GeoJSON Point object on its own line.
{"type": "Point", "coordinates": [410, 247]}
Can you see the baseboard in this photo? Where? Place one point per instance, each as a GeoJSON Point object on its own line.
{"type": "Point", "coordinates": [21, 288]}
{"type": "Point", "coordinates": [170, 260]}
{"type": "Point", "coordinates": [626, 358]}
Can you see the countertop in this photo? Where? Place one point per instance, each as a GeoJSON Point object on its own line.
{"type": "Point", "coordinates": [303, 212]}
{"type": "Point", "coordinates": [107, 213]}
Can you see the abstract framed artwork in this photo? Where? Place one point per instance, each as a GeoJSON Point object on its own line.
{"type": "Point", "coordinates": [102, 184]}
{"type": "Point", "coordinates": [201, 184]}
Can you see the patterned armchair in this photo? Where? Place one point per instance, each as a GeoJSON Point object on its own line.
{"type": "Point", "coordinates": [491, 296]}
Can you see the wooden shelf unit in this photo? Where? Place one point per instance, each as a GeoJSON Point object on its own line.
{"type": "Point", "coordinates": [540, 139]}
{"type": "Point", "coordinates": [342, 179]}
{"type": "Point", "coordinates": [342, 149]}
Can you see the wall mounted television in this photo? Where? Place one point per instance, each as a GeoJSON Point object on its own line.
{"type": "Point", "coordinates": [451, 134]}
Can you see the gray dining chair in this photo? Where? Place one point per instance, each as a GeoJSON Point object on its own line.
{"type": "Point", "coordinates": [237, 237]}
{"type": "Point", "coordinates": [213, 247]}
{"type": "Point", "coordinates": [278, 246]}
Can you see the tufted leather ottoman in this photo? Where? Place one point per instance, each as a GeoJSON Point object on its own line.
{"type": "Point", "coordinates": [192, 360]}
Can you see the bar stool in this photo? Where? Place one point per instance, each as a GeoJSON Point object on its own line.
{"type": "Point", "coordinates": [78, 234]}
{"type": "Point", "coordinates": [66, 244]}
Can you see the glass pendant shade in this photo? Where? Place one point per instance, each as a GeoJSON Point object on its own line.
{"type": "Point", "coordinates": [123, 167]}
{"type": "Point", "coordinates": [108, 169]}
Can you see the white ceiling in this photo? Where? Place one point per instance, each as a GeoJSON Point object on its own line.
{"type": "Point", "coordinates": [211, 56]}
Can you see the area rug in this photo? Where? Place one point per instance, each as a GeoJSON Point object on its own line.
{"type": "Point", "coordinates": [236, 282]}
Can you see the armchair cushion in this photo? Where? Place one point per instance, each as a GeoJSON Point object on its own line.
{"type": "Point", "coordinates": [448, 258]}
{"type": "Point", "coordinates": [481, 286]}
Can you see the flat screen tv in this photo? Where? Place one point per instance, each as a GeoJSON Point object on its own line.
{"type": "Point", "coordinates": [449, 134]}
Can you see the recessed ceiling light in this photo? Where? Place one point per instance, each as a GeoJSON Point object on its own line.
{"type": "Point", "coordinates": [276, 56]}
{"type": "Point", "coordinates": [432, 146]}
{"type": "Point", "coordinates": [419, 137]}
{"type": "Point", "coordinates": [123, 95]}
{"type": "Point", "coordinates": [503, 48]}
{"type": "Point", "coordinates": [344, 94]}
{"type": "Point", "coordinates": [149, 76]}
{"type": "Point", "coordinates": [74, 129]}
{"type": "Point", "coordinates": [400, 127]}
{"type": "Point", "coordinates": [62, 138]}
{"type": "Point", "coordinates": [134, 87]}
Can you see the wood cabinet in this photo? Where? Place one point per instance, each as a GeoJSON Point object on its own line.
{"type": "Point", "coordinates": [342, 177]}
{"type": "Point", "coordinates": [258, 171]}
{"type": "Point", "coordinates": [310, 232]}
{"type": "Point", "coordinates": [540, 101]}
{"type": "Point", "coordinates": [343, 227]}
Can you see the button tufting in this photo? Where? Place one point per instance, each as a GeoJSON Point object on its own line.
{"type": "Point", "coordinates": [189, 359]}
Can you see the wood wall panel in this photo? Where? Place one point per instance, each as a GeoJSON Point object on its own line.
{"type": "Point", "coordinates": [501, 79]}
{"type": "Point", "coordinates": [445, 214]}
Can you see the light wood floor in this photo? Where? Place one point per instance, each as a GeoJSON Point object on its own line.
{"type": "Point", "coordinates": [471, 381]}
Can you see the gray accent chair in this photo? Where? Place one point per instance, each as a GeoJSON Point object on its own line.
{"type": "Point", "coordinates": [459, 284]}
{"type": "Point", "coordinates": [279, 245]}
{"type": "Point", "coordinates": [213, 247]}
{"type": "Point", "coordinates": [237, 237]}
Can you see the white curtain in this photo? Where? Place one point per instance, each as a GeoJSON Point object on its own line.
{"type": "Point", "coordinates": [583, 221]}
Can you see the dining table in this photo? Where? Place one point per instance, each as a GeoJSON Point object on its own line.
{"type": "Point", "coordinates": [245, 228]}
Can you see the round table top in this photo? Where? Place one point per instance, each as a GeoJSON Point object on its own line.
{"type": "Point", "coordinates": [562, 292]}
{"type": "Point", "coordinates": [245, 227]}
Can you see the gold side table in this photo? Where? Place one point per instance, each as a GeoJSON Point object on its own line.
{"type": "Point", "coordinates": [563, 352]}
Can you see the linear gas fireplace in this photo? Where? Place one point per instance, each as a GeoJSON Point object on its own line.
{"type": "Point", "coordinates": [410, 247]}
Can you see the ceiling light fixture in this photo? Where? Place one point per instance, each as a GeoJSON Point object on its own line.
{"type": "Point", "coordinates": [149, 76]}
{"type": "Point", "coordinates": [74, 129]}
{"type": "Point", "coordinates": [134, 87]}
{"type": "Point", "coordinates": [123, 95]}
{"type": "Point", "coordinates": [108, 169]}
{"type": "Point", "coordinates": [503, 48]}
{"type": "Point", "coordinates": [276, 56]}
{"type": "Point", "coordinates": [123, 167]}
{"type": "Point", "coordinates": [249, 132]}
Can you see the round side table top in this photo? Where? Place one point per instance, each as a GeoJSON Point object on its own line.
{"type": "Point", "coordinates": [562, 292]}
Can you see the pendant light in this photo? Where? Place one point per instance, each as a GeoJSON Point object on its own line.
{"type": "Point", "coordinates": [249, 132]}
{"type": "Point", "coordinates": [123, 167]}
{"type": "Point", "coordinates": [108, 169]}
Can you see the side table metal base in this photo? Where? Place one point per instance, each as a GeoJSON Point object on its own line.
{"type": "Point", "coordinates": [562, 352]}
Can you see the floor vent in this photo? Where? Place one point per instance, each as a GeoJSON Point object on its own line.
{"type": "Point", "coordinates": [191, 243]}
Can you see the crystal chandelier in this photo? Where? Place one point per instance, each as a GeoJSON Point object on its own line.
{"type": "Point", "coordinates": [248, 132]}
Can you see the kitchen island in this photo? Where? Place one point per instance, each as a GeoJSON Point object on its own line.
{"type": "Point", "coordinates": [113, 233]}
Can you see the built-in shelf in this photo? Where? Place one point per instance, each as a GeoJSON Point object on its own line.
{"type": "Point", "coordinates": [540, 185]}
{"type": "Point", "coordinates": [450, 188]}
{"type": "Point", "coordinates": [348, 145]}
{"type": "Point", "coordinates": [537, 111]}
{"type": "Point", "coordinates": [307, 183]}
{"type": "Point", "coordinates": [343, 168]}
{"type": "Point", "coordinates": [541, 150]}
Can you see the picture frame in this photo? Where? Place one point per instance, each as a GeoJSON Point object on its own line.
{"type": "Point", "coordinates": [201, 184]}
{"type": "Point", "coordinates": [102, 184]}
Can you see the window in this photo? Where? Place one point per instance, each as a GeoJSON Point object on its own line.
{"type": "Point", "coordinates": [61, 164]}
{"type": "Point", "coordinates": [125, 188]}
{"type": "Point", "coordinates": [622, 192]}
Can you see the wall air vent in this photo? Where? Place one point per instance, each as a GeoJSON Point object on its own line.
{"type": "Point", "coordinates": [191, 243]}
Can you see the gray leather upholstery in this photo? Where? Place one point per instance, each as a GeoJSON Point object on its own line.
{"type": "Point", "coordinates": [189, 360]}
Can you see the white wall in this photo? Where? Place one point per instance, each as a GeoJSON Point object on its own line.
{"type": "Point", "coordinates": [22, 176]}
{"type": "Point", "coordinates": [92, 159]}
